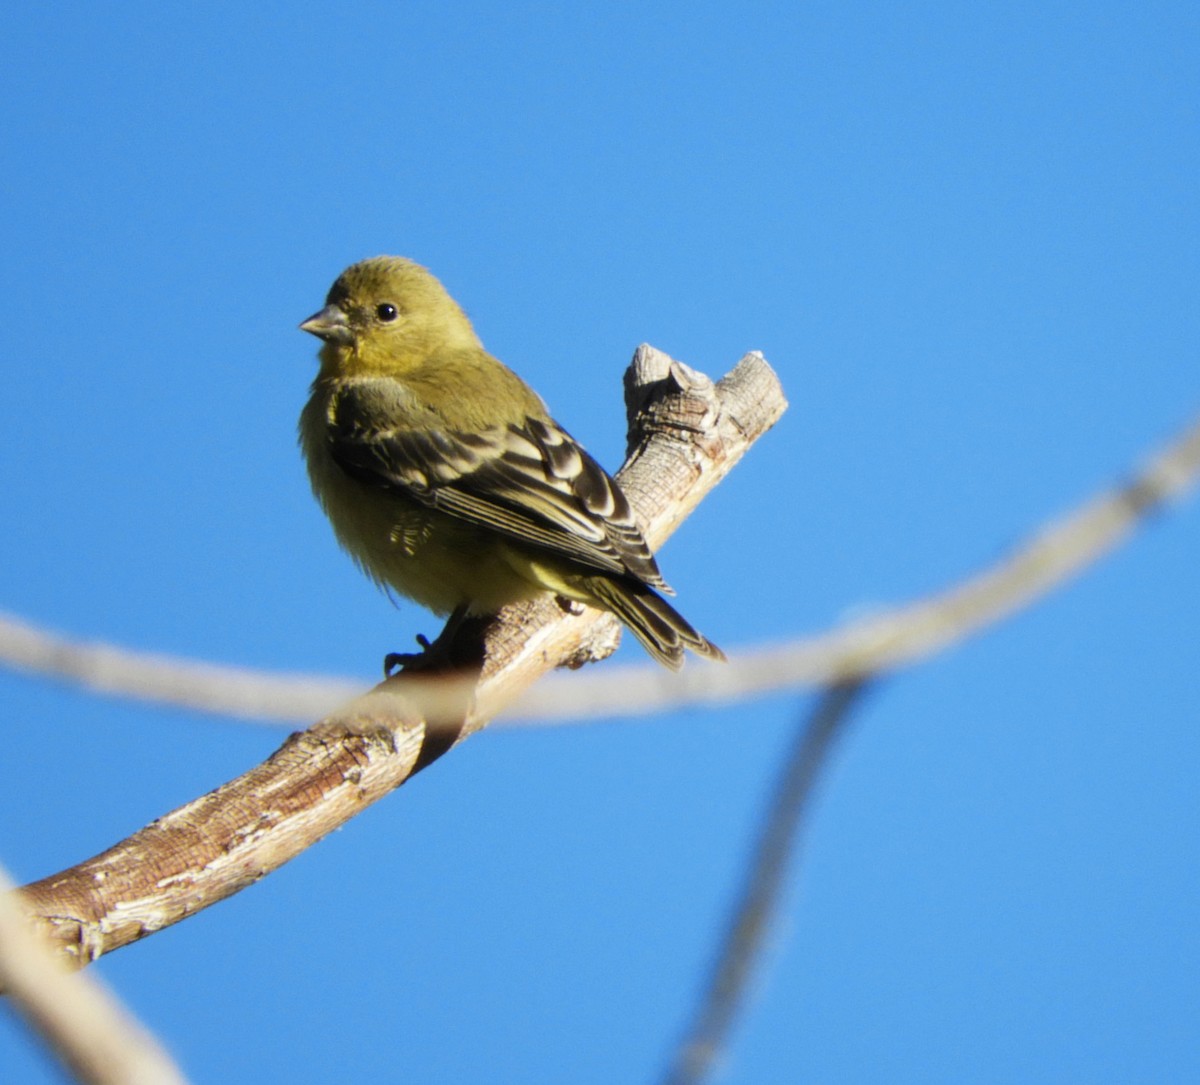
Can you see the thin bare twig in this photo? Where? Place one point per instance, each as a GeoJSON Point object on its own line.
{"type": "Point", "coordinates": [96, 1038]}
{"type": "Point", "coordinates": [741, 948]}
{"type": "Point", "coordinates": [1050, 557]}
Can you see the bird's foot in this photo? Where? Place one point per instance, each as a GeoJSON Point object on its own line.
{"type": "Point", "coordinates": [394, 662]}
{"type": "Point", "coordinates": [458, 646]}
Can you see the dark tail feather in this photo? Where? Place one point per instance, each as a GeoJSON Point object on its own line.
{"type": "Point", "coordinates": [663, 631]}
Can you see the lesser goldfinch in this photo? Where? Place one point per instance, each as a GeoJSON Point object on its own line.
{"type": "Point", "coordinates": [445, 477]}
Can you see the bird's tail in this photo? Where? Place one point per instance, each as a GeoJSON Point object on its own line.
{"type": "Point", "coordinates": [663, 631]}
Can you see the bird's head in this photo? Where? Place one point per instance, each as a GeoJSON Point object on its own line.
{"type": "Point", "coordinates": [386, 315]}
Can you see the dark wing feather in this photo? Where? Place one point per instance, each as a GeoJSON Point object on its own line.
{"type": "Point", "coordinates": [529, 481]}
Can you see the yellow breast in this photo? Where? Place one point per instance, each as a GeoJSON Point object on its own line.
{"type": "Point", "coordinates": [436, 560]}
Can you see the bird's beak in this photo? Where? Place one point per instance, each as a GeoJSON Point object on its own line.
{"type": "Point", "coordinates": [329, 324]}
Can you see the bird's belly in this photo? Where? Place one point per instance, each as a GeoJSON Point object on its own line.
{"type": "Point", "coordinates": [421, 553]}
{"type": "Point", "coordinates": [443, 564]}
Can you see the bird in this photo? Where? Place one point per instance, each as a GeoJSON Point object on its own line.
{"type": "Point", "coordinates": [446, 479]}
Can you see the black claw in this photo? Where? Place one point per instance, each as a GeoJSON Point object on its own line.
{"type": "Point", "coordinates": [397, 661]}
{"type": "Point", "coordinates": [446, 652]}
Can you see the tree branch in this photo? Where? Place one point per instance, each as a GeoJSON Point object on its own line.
{"type": "Point", "coordinates": [685, 435]}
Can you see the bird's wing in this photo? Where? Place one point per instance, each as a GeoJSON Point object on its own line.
{"type": "Point", "coordinates": [530, 481]}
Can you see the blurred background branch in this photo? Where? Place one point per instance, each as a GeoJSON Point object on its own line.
{"type": "Point", "coordinates": [746, 937]}
{"type": "Point", "coordinates": [1052, 555]}
{"type": "Point", "coordinates": [87, 1028]}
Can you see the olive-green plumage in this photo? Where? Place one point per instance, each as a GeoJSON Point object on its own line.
{"type": "Point", "coordinates": [445, 477]}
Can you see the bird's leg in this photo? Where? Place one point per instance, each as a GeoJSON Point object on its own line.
{"type": "Point", "coordinates": [452, 649]}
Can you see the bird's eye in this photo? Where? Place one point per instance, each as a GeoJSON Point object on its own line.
{"type": "Point", "coordinates": [386, 312]}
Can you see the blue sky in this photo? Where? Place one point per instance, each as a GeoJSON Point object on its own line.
{"type": "Point", "coordinates": [967, 238]}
